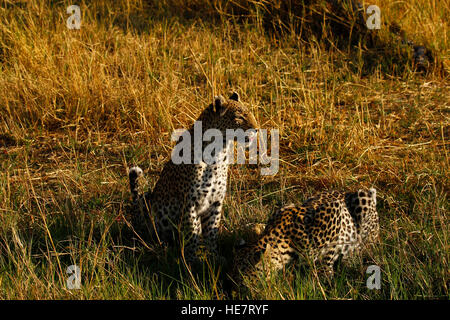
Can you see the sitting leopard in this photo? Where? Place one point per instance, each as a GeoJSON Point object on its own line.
{"type": "Point", "coordinates": [189, 197]}
{"type": "Point", "coordinates": [326, 226]}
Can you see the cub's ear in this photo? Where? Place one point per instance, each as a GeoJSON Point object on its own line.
{"type": "Point", "coordinates": [234, 96]}
{"type": "Point", "coordinates": [219, 105]}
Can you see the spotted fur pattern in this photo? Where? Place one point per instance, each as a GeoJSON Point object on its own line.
{"type": "Point", "coordinates": [326, 226]}
{"type": "Point", "coordinates": [189, 197]}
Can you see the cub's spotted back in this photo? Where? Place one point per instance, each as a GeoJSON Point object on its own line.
{"type": "Point", "coordinates": [326, 226]}
{"type": "Point", "coordinates": [363, 209]}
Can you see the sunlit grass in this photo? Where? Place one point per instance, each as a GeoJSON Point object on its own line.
{"type": "Point", "coordinates": [77, 107]}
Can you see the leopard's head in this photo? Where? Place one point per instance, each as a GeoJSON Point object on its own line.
{"type": "Point", "coordinates": [245, 259]}
{"type": "Point", "coordinates": [229, 113]}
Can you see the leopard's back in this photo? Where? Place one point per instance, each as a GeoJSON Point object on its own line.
{"type": "Point", "coordinates": [323, 228]}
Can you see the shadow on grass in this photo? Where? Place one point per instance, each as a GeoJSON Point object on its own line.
{"type": "Point", "coordinates": [338, 24]}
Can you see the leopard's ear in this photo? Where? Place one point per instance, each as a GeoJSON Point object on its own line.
{"type": "Point", "coordinates": [219, 105]}
{"type": "Point", "coordinates": [234, 96]}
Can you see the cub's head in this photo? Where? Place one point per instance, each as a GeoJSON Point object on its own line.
{"type": "Point", "coordinates": [225, 114]}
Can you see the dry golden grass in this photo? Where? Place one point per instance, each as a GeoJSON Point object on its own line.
{"type": "Point", "coordinates": [77, 107]}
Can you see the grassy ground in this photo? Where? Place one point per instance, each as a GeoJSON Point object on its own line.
{"type": "Point", "coordinates": [77, 107]}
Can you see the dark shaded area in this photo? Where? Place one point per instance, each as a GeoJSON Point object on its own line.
{"type": "Point", "coordinates": [7, 140]}
{"type": "Point", "coordinates": [338, 23]}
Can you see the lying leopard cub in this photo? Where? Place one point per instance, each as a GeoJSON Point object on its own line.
{"type": "Point", "coordinates": [189, 197]}
{"type": "Point", "coordinates": [326, 226]}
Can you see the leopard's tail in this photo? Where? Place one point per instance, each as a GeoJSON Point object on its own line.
{"type": "Point", "coordinates": [373, 195]}
{"type": "Point", "coordinates": [133, 175]}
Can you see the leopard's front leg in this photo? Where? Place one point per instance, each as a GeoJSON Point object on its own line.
{"type": "Point", "coordinates": [190, 234]}
{"type": "Point", "coordinates": [210, 223]}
